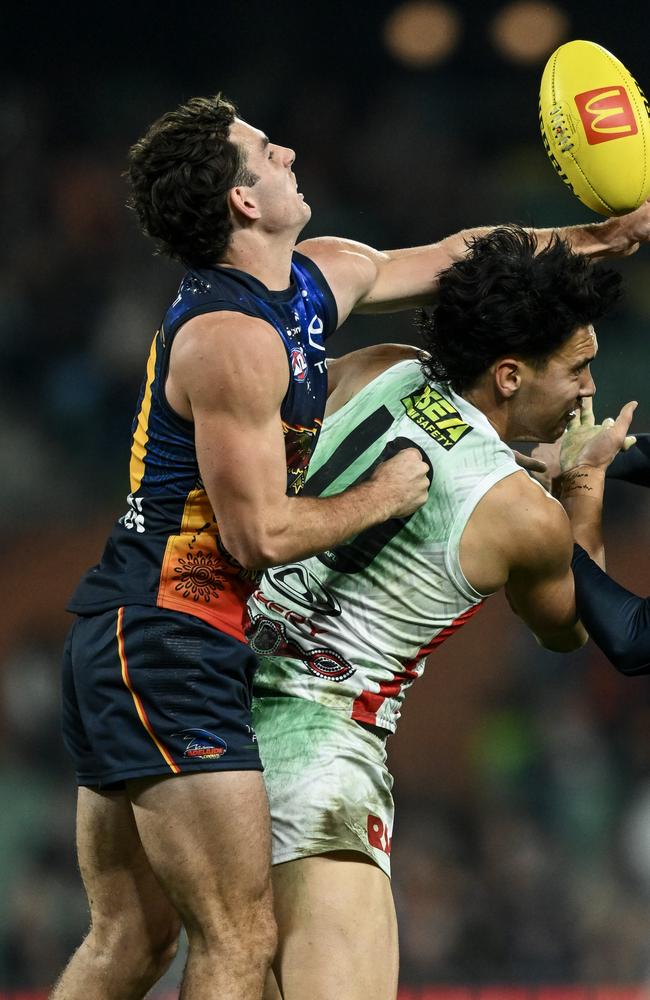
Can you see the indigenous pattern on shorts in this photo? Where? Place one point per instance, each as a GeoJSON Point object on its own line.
{"type": "Point", "coordinates": [166, 550]}
{"type": "Point", "coordinates": [350, 628]}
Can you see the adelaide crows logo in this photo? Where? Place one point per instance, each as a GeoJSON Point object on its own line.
{"type": "Point", "coordinates": [201, 744]}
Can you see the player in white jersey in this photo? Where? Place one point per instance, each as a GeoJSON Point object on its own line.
{"type": "Point", "coordinates": [343, 635]}
{"type": "Point", "coordinates": [360, 627]}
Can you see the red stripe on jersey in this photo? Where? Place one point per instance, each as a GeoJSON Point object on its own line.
{"type": "Point", "coordinates": [443, 634]}
{"type": "Point", "coordinates": [368, 703]}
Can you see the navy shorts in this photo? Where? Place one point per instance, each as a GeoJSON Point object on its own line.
{"type": "Point", "coordinates": [148, 691]}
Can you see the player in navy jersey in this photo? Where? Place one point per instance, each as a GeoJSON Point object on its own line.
{"type": "Point", "coordinates": [157, 682]}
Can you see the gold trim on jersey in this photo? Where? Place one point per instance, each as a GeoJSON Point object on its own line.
{"type": "Point", "coordinates": [141, 434]}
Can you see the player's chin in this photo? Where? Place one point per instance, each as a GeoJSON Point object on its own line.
{"type": "Point", "coordinates": [564, 424]}
{"type": "Point", "coordinates": [556, 432]}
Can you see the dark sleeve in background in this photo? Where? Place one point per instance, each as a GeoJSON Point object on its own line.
{"type": "Point", "coordinates": [617, 620]}
{"type": "Point", "coordinates": [633, 465]}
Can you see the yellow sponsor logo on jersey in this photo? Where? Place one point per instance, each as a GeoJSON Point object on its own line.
{"type": "Point", "coordinates": [436, 415]}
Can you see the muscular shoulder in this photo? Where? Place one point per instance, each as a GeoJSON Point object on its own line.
{"type": "Point", "coordinates": [225, 355]}
{"type": "Point", "coordinates": [350, 268]}
{"type": "Point", "coordinates": [517, 527]}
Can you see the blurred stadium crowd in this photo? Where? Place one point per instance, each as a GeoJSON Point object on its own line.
{"type": "Point", "coordinates": [522, 842]}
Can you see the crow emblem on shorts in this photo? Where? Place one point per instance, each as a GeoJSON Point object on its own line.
{"type": "Point", "coordinates": [201, 744]}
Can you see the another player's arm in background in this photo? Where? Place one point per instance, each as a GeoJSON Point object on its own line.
{"type": "Point", "coordinates": [229, 374]}
{"type": "Point", "coordinates": [367, 280]}
{"type": "Point", "coordinates": [519, 537]}
{"type": "Point", "coordinates": [633, 465]}
{"type": "Point", "coordinates": [617, 620]}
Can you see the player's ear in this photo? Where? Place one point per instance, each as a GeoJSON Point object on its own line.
{"type": "Point", "coordinates": [507, 376]}
{"type": "Point", "coordinates": [243, 202]}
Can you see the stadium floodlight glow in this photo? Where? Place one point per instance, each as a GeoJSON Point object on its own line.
{"type": "Point", "coordinates": [421, 33]}
{"type": "Point", "coordinates": [527, 31]}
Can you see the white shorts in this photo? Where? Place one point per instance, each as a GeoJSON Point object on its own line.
{"type": "Point", "coordinates": [326, 776]}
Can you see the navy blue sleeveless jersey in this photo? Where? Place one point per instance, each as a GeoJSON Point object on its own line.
{"type": "Point", "coordinates": [166, 550]}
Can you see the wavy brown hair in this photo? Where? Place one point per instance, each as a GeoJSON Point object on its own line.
{"type": "Point", "coordinates": [180, 173]}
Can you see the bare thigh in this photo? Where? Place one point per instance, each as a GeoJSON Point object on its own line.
{"type": "Point", "coordinates": [337, 930]}
{"type": "Point", "coordinates": [207, 837]}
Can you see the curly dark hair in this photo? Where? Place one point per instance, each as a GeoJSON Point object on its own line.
{"type": "Point", "coordinates": [504, 297]}
{"type": "Point", "coordinates": [180, 174]}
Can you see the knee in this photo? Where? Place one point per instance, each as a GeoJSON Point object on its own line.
{"type": "Point", "coordinates": [266, 935]}
{"type": "Point", "coordinates": [246, 933]}
{"type": "Point", "coordinates": [161, 948]}
{"type": "Point", "coordinates": [144, 951]}
{"type": "Point", "coordinates": [256, 924]}
{"type": "Point", "coordinates": [260, 927]}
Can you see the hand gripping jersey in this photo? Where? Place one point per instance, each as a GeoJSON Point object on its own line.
{"type": "Point", "coordinates": [350, 628]}
{"type": "Point", "coordinates": [166, 550]}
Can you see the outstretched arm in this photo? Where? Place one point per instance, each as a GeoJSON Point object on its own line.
{"type": "Point", "coordinates": [633, 465]}
{"type": "Point", "coordinates": [617, 620]}
{"type": "Point", "coordinates": [367, 280]}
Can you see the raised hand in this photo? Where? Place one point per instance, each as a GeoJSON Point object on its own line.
{"type": "Point", "coordinates": [636, 227]}
{"type": "Point", "coordinates": [588, 443]}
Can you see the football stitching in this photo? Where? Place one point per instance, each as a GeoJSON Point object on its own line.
{"type": "Point", "coordinates": [589, 185]}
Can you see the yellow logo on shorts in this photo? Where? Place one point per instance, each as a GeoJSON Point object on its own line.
{"type": "Point", "coordinates": [435, 415]}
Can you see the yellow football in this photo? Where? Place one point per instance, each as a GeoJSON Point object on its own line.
{"type": "Point", "coordinates": [595, 124]}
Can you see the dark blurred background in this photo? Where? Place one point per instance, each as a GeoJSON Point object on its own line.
{"type": "Point", "coordinates": [522, 842]}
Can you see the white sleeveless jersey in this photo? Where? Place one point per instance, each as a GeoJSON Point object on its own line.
{"type": "Point", "coordinates": [350, 628]}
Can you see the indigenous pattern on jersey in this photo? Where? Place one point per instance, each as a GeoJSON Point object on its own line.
{"type": "Point", "coordinates": [166, 549]}
{"type": "Point", "coordinates": [350, 628]}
